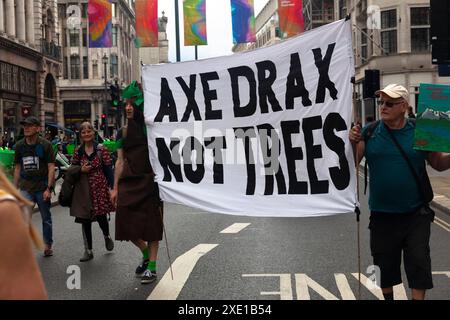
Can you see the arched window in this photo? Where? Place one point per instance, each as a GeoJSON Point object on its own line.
{"type": "Point", "coordinates": [49, 87]}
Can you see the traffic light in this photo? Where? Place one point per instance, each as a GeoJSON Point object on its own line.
{"type": "Point", "coordinates": [371, 83]}
{"type": "Point", "coordinates": [96, 124]}
{"type": "Point", "coordinates": [115, 95]}
{"type": "Point", "coordinates": [103, 124]}
{"type": "Point", "coordinates": [440, 32]}
{"type": "Point", "coordinates": [26, 112]}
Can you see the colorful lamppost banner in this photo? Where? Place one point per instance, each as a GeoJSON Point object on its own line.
{"type": "Point", "coordinates": [290, 14]}
{"type": "Point", "coordinates": [146, 23]}
{"type": "Point", "coordinates": [243, 20]}
{"type": "Point", "coordinates": [433, 118]}
{"type": "Point", "coordinates": [100, 16]}
{"type": "Point", "coordinates": [194, 22]}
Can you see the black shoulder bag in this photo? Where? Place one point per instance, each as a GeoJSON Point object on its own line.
{"type": "Point", "coordinates": [423, 184]}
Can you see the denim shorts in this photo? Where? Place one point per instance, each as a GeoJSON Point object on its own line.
{"type": "Point", "coordinates": [392, 234]}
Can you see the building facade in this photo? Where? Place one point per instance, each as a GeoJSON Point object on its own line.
{"type": "Point", "coordinates": [392, 37]}
{"type": "Point", "coordinates": [30, 63]}
{"type": "Point", "coordinates": [88, 73]}
{"type": "Point", "coordinates": [316, 13]}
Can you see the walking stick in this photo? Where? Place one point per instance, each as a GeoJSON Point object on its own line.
{"type": "Point", "coordinates": [167, 244]}
{"type": "Point", "coordinates": [358, 213]}
{"type": "Point", "coordinates": [357, 210]}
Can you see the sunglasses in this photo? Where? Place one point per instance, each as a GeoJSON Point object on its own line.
{"type": "Point", "coordinates": [388, 104]}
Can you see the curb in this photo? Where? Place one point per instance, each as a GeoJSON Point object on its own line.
{"type": "Point", "coordinates": [440, 207]}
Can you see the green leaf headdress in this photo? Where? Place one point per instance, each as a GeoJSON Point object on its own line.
{"type": "Point", "coordinates": [134, 91]}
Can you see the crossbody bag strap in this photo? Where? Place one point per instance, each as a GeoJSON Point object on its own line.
{"type": "Point", "coordinates": [403, 153]}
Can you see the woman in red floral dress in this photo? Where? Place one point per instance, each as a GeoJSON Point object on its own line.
{"type": "Point", "coordinates": [96, 162]}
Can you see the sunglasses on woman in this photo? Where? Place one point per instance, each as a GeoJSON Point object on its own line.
{"type": "Point", "coordinates": [388, 104]}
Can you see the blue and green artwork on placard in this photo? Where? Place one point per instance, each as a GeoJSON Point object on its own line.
{"type": "Point", "coordinates": [433, 118]}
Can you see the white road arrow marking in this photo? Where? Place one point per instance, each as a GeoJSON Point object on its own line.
{"type": "Point", "coordinates": [168, 289]}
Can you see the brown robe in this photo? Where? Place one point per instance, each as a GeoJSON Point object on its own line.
{"type": "Point", "coordinates": [139, 209]}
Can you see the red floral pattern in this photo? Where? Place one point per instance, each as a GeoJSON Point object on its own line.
{"type": "Point", "coordinates": [98, 185]}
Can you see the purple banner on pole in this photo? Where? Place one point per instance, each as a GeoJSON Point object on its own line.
{"type": "Point", "coordinates": [100, 16]}
{"type": "Point", "coordinates": [243, 19]}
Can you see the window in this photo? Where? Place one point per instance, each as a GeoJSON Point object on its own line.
{"type": "Point", "coordinates": [114, 36]}
{"type": "Point", "coordinates": [342, 10]}
{"type": "Point", "coordinates": [114, 72]}
{"type": "Point", "coordinates": [364, 45]}
{"type": "Point", "coordinates": [114, 10]}
{"type": "Point", "coordinates": [64, 37]}
{"type": "Point", "coordinates": [420, 29]}
{"type": "Point", "coordinates": [74, 37]}
{"type": "Point", "coordinates": [94, 69]}
{"type": "Point", "coordinates": [49, 87]}
{"type": "Point", "coordinates": [84, 10]}
{"type": "Point", "coordinates": [389, 31]}
{"type": "Point", "coordinates": [15, 77]}
{"type": "Point", "coordinates": [65, 69]}
{"type": "Point", "coordinates": [61, 11]}
{"type": "Point", "coordinates": [75, 67]}
{"type": "Point", "coordinates": [85, 68]}
{"type": "Point", "coordinates": [84, 37]}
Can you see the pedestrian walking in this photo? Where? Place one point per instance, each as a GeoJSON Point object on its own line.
{"type": "Point", "coordinates": [20, 277]}
{"type": "Point", "coordinates": [138, 206]}
{"type": "Point", "coordinates": [34, 174]}
{"type": "Point", "coordinates": [96, 170]}
{"type": "Point", "coordinates": [400, 217]}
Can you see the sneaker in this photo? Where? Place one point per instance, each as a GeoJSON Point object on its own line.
{"type": "Point", "coordinates": [88, 255]}
{"type": "Point", "coordinates": [148, 277]}
{"type": "Point", "coordinates": [109, 243]}
{"type": "Point", "coordinates": [48, 252]}
{"type": "Point", "coordinates": [141, 268]}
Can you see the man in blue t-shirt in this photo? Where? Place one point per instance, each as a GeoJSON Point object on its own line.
{"type": "Point", "coordinates": [394, 198]}
{"type": "Point", "coordinates": [34, 174]}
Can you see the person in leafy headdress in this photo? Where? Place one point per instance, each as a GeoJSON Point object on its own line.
{"type": "Point", "coordinates": [135, 193]}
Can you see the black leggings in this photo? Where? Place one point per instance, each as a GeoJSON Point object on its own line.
{"type": "Point", "coordinates": [87, 229]}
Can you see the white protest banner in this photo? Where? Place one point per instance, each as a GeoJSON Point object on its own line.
{"type": "Point", "coordinates": [259, 133]}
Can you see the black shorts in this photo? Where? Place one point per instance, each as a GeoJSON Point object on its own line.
{"type": "Point", "coordinates": [394, 233]}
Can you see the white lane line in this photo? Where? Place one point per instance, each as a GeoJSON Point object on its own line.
{"type": "Point", "coordinates": [344, 287]}
{"type": "Point", "coordinates": [445, 223]}
{"type": "Point", "coordinates": [235, 228]}
{"type": "Point", "coordinates": [168, 289]}
{"type": "Point", "coordinates": [441, 225]}
{"type": "Point", "coordinates": [447, 273]}
{"type": "Point", "coordinates": [285, 292]}
{"type": "Point", "coordinates": [400, 292]}
{"type": "Point", "coordinates": [303, 283]}
{"type": "Point", "coordinates": [373, 288]}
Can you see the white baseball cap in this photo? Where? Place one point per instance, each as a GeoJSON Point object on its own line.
{"type": "Point", "coordinates": [395, 91]}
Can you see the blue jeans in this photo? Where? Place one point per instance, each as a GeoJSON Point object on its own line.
{"type": "Point", "coordinates": [44, 209]}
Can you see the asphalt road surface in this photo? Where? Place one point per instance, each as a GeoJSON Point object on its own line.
{"type": "Point", "coordinates": [216, 256]}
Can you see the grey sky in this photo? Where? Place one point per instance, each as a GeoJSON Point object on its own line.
{"type": "Point", "coordinates": [219, 32]}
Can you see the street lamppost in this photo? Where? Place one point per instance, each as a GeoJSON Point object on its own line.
{"type": "Point", "coordinates": [105, 104]}
{"type": "Point", "coordinates": [177, 32]}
